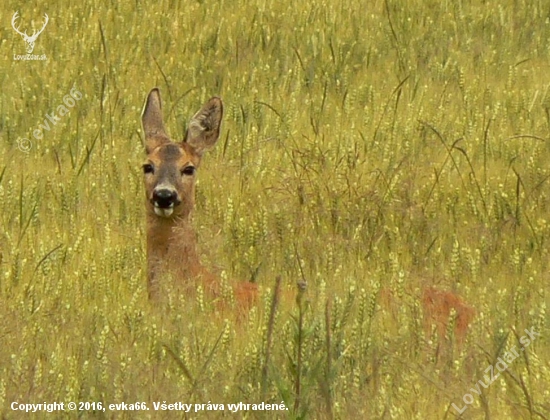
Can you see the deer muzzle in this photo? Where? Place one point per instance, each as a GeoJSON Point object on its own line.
{"type": "Point", "coordinates": [164, 201]}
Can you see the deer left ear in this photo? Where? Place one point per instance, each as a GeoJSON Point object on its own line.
{"type": "Point", "coordinates": [155, 133]}
{"type": "Point", "coordinates": [204, 127]}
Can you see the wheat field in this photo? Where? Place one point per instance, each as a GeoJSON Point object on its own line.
{"type": "Point", "coordinates": [388, 161]}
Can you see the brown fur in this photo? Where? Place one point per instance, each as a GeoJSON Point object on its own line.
{"type": "Point", "coordinates": [438, 305]}
{"type": "Point", "coordinates": [171, 240]}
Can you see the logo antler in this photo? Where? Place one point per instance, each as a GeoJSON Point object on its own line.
{"type": "Point", "coordinates": [29, 40]}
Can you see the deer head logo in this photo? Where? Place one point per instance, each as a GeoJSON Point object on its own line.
{"type": "Point", "coordinates": [29, 40]}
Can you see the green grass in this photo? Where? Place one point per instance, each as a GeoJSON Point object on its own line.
{"type": "Point", "coordinates": [369, 150]}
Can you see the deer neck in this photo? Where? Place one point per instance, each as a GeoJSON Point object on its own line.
{"type": "Point", "coordinates": [171, 246]}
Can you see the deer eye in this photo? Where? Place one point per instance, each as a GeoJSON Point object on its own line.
{"type": "Point", "coordinates": [148, 168]}
{"type": "Point", "coordinates": [188, 170]}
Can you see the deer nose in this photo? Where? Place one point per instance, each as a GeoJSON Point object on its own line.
{"type": "Point", "coordinates": [165, 198]}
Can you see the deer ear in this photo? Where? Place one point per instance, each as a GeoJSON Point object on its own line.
{"type": "Point", "coordinates": [155, 134]}
{"type": "Point", "coordinates": [204, 127]}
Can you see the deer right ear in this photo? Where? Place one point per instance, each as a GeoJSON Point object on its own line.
{"type": "Point", "coordinates": [204, 127]}
{"type": "Point", "coordinates": [155, 134]}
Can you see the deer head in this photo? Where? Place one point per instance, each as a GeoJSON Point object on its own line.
{"type": "Point", "coordinates": [170, 168]}
{"type": "Point", "coordinates": [29, 40]}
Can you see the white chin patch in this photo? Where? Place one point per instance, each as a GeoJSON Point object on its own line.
{"type": "Point", "coordinates": [164, 212]}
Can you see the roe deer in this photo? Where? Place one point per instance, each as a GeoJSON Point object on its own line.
{"type": "Point", "coordinates": [438, 307]}
{"type": "Point", "coordinates": [170, 177]}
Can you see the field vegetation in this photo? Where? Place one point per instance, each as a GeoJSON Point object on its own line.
{"type": "Point", "coordinates": [389, 161]}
